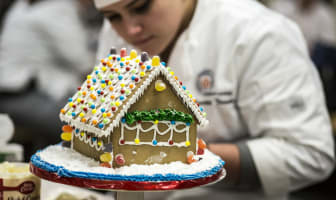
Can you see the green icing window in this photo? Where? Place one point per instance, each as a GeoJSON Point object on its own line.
{"type": "Point", "coordinates": [159, 114]}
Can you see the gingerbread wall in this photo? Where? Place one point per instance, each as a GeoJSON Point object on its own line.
{"type": "Point", "coordinates": [149, 154]}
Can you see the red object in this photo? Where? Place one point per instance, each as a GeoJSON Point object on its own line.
{"type": "Point", "coordinates": [171, 142]}
{"type": "Point", "coordinates": [85, 109]}
{"type": "Point", "coordinates": [88, 86]}
{"type": "Point", "coordinates": [123, 52]}
{"type": "Point", "coordinates": [82, 101]}
{"type": "Point", "coordinates": [101, 92]}
{"type": "Point", "coordinates": [126, 185]}
{"type": "Point", "coordinates": [120, 160]}
{"type": "Point", "coordinates": [122, 141]}
{"type": "Point", "coordinates": [181, 83]}
{"type": "Point", "coordinates": [106, 81]}
{"type": "Point", "coordinates": [114, 108]}
{"type": "Point", "coordinates": [128, 68]}
{"type": "Point", "coordinates": [112, 69]}
{"type": "Point", "coordinates": [122, 91]}
{"type": "Point", "coordinates": [200, 151]}
{"type": "Point", "coordinates": [74, 106]}
{"type": "Point", "coordinates": [136, 79]}
{"type": "Point", "coordinates": [26, 187]}
{"type": "Point", "coordinates": [104, 63]}
{"type": "Point", "coordinates": [114, 58]}
{"type": "Point", "coordinates": [79, 88]}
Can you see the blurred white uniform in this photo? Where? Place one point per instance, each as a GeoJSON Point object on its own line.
{"type": "Point", "coordinates": [317, 23]}
{"type": "Point", "coordinates": [45, 41]}
{"type": "Point", "coordinates": [250, 69]}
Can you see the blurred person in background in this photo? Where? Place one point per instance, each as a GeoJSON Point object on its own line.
{"type": "Point", "coordinates": [317, 20]}
{"type": "Point", "coordinates": [47, 47]}
{"type": "Point", "coordinates": [250, 69]}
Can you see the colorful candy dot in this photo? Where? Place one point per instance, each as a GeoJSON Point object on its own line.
{"type": "Point", "coordinates": [94, 111]}
{"type": "Point", "coordinates": [102, 110]}
{"type": "Point", "coordinates": [101, 125]}
{"type": "Point", "coordinates": [73, 114]}
{"type": "Point", "coordinates": [137, 141]}
{"type": "Point", "coordinates": [120, 77]}
{"type": "Point", "coordinates": [187, 143]}
{"type": "Point", "coordinates": [154, 142]}
{"type": "Point", "coordinates": [133, 54]}
{"type": "Point", "coordinates": [155, 61]}
{"type": "Point", "coordinates": [92, 106]}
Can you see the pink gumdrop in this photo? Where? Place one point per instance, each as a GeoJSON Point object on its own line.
{"type": "Point", "coordinates": [119, 159]}
{"type": "Point", "coordinates": [123, 52]}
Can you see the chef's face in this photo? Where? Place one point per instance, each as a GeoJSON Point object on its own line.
{"type": "Point", "coordinates": [149, 25]}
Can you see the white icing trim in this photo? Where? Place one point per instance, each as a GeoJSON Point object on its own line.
{"type": "Point", "coordinates": [89, 141]}
{"type": "Point", "coordinates": [171, 128]}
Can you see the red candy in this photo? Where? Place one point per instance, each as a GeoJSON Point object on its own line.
{"type": "Point", "coordinates": [114, 108]}
{"type": "Point", "coordinates": [82, 101]}
{"type": "Point", "coordinates": [79, 88]}
{"type": "Point", "coordinates": [122, 141]}
{"type": "Point", "coordinates": [128, 68]}
{"type": "Point", "coordinates": [171, 142]}
{"type": "Point", "coordinates": [119, 159]}
{"type": "Point", "coordinates": [122, 91]}
{"type": "Point", "coordinates": [200, 151]}
{"type": "Point", "coordinates": [123, 52]}
{"type": "Point", "coordinates": [136, 79]}
{"type": "Point", "coordinates": [88, 86]}
{"type": "Point", "coordinates": [112, 69]}
{"type": "Point", "coordinates": [85, 109]}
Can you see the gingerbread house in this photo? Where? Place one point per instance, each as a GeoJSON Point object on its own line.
{"type": "Point", "coordinates": [133, 110]}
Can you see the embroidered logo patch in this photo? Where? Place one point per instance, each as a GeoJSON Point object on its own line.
{"type": "Point", "coordinates": [205, 81]}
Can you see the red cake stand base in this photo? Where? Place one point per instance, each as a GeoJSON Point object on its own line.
{"type": "Point", "coordinates": [128, 189]}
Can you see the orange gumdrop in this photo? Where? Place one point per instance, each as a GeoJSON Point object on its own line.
{"type": "Point", "coordinates": [105, 164]}
{"type": "Point", "coordinates": [201, 144]}
{"type": "Point", "coordinates": [67, 128]}
{"type": "Point", "coordinates": [191, 159]}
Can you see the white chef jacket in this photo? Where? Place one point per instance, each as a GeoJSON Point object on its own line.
{"type": "Point", "coordinates": [250, 69]}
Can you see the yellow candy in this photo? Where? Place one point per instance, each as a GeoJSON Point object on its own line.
{"type": "Point", "coordinates": [137, 60]}
{"type": "Point", "coordinates": [91, 88]}
{"type": "Point", "coordinates": [78, 100]}
{"type": "Point", "coordinates": [122, 85]}
{"type": "Point", "coordinates": [122, 59]}
{"type": "Point", "coordinates": [82, 134]}
{"type": "Point", "coordinates": [156, 121]}
{"type": "Point", "coordinates": [172, 73]}
{"type": "Point", "coordinates": [187, 143]}
{"type": "Point", "coordinates": [137, 141]}
{"type": "Point", "coordinates": [155, 61]}
{"type": "Point", "coordinates": [66, 136]}
{"type": "Point", "coordinates": [104, 69]}
{"type": "Point", "coordinates": [133, 54]}
{"type": "Point", "coordinates": [105, 157]}
{"type": "Point", "coordinates": [109, 83]}
{"type": "Point", "coordinates": [190, 95]}
{"type": "Point", "coordinates": [160, 86]}
{"type": "Point", "coordinates": [81, 115]}
{"type": "Point", "coordinates": [117, 103]}
{"type": "Point", "coordinates": [103, 85]}
{"type": "Point", "coordinates": [89, 76]}
{"type": "Point", "coordinates": [104, 115]}
{"type": "Point", "coordinates": [94, 111]}
{"type": "Point", "coordinates": [142, 73]}
{"type": "Point", "coordinates": [110, 57]}
{"type": "Point", "coordinates": [71, 104]}
{"type": "Point", "coordinates": [99, 143]}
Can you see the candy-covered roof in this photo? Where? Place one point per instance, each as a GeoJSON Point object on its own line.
{"type": "Point", "coordinates": [114, 85]}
